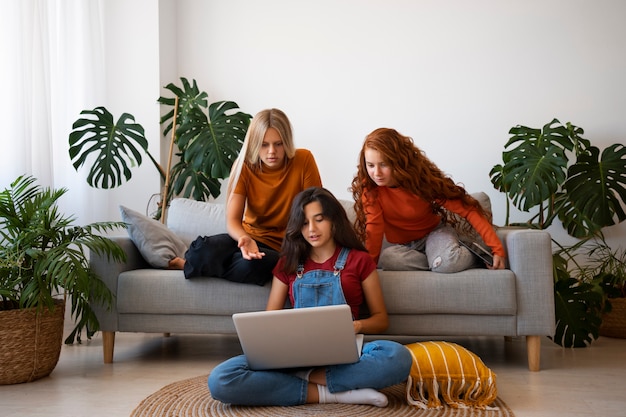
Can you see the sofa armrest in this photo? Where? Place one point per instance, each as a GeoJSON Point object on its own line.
{"type": "Point", "coordinates": [109, 271]}
{"type": "Point", "coordinates": [529, 256]}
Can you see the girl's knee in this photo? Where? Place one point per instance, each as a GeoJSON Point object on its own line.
{"type": "Point", "coordinates": [403, 360]}
{"type": "Point", "coordinates": [217, 386]}
{"type": "Point", "coordinates": [449, 258]}
{"type": "Point", "coordinates": [221, 377]}
{"type": "Point", "coordinates": [396, 355]}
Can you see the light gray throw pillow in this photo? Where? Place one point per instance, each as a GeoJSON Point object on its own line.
{"type": "Point", "coordinates": [156, 243]}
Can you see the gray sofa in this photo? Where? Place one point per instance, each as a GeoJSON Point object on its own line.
{"type": "Point", "coordinates": [518, 301]}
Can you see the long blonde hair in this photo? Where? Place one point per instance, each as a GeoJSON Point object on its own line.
{"type": "Point", "coordinates": [250, 150]}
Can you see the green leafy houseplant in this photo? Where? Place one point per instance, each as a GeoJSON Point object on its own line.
{"type": "Point", "coordinates": [44, 254]}
{"type": "Point", "coordinates": [208, 139]}
{"type": "Point", "coordinates": [561, 176]}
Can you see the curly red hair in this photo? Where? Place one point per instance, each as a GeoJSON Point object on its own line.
{"type": "Point", "coordinates": [412, 170]}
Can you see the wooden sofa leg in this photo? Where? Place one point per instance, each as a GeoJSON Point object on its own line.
{"type": "Point", "coordinates": [108, 342]}
{"type": "Point", "coordinates": [533, 348]}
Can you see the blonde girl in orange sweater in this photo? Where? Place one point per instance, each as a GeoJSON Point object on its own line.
{"type": "Point", "coordinates": [265, 178]}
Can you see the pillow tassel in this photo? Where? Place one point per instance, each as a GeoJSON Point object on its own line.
{"type": "Point", "coordinates": [447, 371]}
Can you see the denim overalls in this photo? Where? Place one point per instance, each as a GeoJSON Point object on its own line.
{"type": "Point", "coordinates": [383, 363]}
{"type": "Point", "coordinates": [320, 287]}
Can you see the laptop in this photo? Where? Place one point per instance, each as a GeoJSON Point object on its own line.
{"type": "Point", "coordinates": [479, 251]}
{"type": "Point", "coordinates": [300, 337]}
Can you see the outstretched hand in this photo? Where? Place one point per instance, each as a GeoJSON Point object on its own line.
{"type": "Point", "coordinates": [249, 248]}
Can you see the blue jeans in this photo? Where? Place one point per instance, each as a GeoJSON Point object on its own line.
{"type": "Point", "coordinates": [383, 363]}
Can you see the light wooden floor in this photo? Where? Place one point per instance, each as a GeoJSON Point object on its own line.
{"type": "Point", "coordinates": [588, 382]}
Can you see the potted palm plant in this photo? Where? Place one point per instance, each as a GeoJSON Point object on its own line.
{"type": "Point", "coordinates": [559, 176]}
{"type": "Point", "coordinates": [208, 139]}
{"type": "Point", "coordinates": [44, 264]}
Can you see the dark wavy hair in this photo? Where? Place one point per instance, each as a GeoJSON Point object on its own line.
{"type": "Point", "coordinates": [411, 170]}
{"type": "Point", "coordinates": [295, 248]}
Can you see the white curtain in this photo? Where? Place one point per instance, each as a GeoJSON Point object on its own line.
{"type": "Point", "coordinates": [53, 57]}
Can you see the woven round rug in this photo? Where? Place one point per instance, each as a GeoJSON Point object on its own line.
{"type": "Point", "coordinates": [191, 398]}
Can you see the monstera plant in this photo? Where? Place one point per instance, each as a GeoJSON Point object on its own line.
{"type": "Point", "coordinates": [208, 139]}
{"type": "Point", "coordinates": [559, 176]}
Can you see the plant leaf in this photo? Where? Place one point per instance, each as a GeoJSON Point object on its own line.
{"type": "Point", "coordinates": [214, 150]}
{"type": "Point", "coordinates": [190, 100]}
{"type": "Point", "coordinates": [596, 189]}
{"type": "Point", "coordinates": [535, 166]}
{"type": "Point", "coordinates": [532, 175]}
{"type": "Point", "coordinates": [112, 146]}
{"type": "Point", "coordinates": [192, 184]}
{"type": "Point", "coordinates": [208, 137]}
{"type": "Point", "coordinates": [578, 311]}
{"type": "Point", "coordinates": [43, 254]}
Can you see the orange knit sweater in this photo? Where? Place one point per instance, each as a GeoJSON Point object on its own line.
{"type": "Point", "coordinates": [269, 194]}
{"type": "Point", "coordinates": [402, 217]}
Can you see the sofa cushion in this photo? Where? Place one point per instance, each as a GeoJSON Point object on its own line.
{"type": "Point", "coordinates": [149, 291]}
{"type": "Point", "coordinates": [156, 243]}
{"type": "Point", "coordinates": [449, 372]}
{"type": "Point", "coordinates": [474, 291]}
{"type": "Point", "coordinates": [190, 218]}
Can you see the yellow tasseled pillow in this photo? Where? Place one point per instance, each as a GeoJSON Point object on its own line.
{"type": "Point", "coordinates": [447, 371]}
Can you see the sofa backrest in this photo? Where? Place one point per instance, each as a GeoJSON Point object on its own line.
{"type": "Point", "coordinates": [190, 218]}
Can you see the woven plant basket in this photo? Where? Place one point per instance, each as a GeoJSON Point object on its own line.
{"type": "Point", "coordinates": [30, 343]}
{"type": "Point", "coordinates": [614, 323]}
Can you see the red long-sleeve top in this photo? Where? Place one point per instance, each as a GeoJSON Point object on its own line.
{"type": "Point", "coordinates": [402, 217]}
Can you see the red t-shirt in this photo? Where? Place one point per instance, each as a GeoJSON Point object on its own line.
{"type": "Point", "coordinates": [359, 266]}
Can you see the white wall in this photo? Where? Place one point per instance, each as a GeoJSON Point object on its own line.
{"type": "Point", "coordinates": [455, 75]}
{"type": "Point", "coordinates": [133, 86]}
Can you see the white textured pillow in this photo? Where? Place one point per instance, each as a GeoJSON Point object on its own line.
{"type": "Point", "coordinates": [348, 206]}
{"type": "Point", "coordinates": [191, 218]}
{"type": "Point", "coordinates": [156, 243]}
{"type": "Point", "coordinates": [468, 233]}
{"type": "Point", "coordinates": [484, 200]}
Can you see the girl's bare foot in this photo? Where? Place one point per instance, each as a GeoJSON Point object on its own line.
{"type": "Point", "coordinates": [176, 263]}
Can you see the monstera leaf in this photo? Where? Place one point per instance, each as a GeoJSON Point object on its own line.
{"type": "Point", "coordinates": [113, 146]}
{"type": "Point", "coordinates": [536, 167]}
{"type": "Point", "coordinates": [566, 137]}
{"type": "Point", "coordinates": [208, 138]}
{"type": "Point", "coordinates": [596, 188]}
{"type": "Point", "coordinates": [191, 104]}
{"type": "Point", "coordinates": [532, 175]}
{"type": "Point", "coordinates": [191, 183]}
